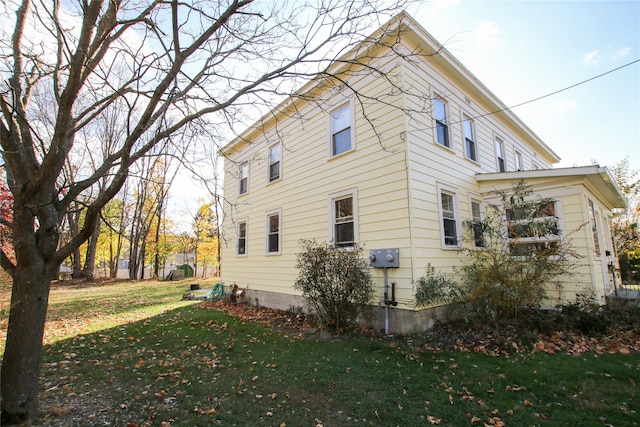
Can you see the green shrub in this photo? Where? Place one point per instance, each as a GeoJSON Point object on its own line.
{"type": "Point", "coordinates": [335, 282]}
{"type": "Point", "coordinates": [436, 287]}
{"type": "Point", "coordinates": [522, 252]}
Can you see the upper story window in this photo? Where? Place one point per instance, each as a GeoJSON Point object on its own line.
{"type": "Point", "coordinates": [469, 139]}
{"type": "Point", "coordinates": [241, 245]}
{"type": "Point", "coordinates": [502, 166]}
{"type": "Point", "coordinates": [341, 130]}
{"type": "Point", "coordinates": [275, 161]}
{"type": "Point", "coordinates": [273, 233]}
{"type": "Point", "coordinates": [594, 227]}
{"type": "Point", "coordinates": [519, 164]}
{"type": "Point", "coordinates": [449, 219]}
{"type": "Point", "coordinates": [243, 185]}
{"type": "Point", "coordinates": [442, 129]}
{"type": "Point", "coordinates": [344, 219]}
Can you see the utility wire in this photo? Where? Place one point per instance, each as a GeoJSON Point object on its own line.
{"type": "Point", "coordinates": [545, 96]}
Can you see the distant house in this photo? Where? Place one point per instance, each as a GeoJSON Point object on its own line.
{"type": "Point", "coordinates": [396, 169]}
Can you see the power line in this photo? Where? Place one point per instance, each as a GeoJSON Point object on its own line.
{"type": "Point", "coordinates": [547, 95]}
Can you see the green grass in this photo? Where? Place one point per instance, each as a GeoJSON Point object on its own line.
{"type": "Point", "coordinates": [145, 358]}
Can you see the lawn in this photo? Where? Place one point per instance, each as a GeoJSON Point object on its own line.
{"type": "Point", "coordinates": [133, 354]}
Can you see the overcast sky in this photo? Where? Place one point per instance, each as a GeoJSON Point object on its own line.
{"type": "Point", "coordinates": [522, 50]}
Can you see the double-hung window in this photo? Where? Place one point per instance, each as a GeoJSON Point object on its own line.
{"type": "Point", "coordinates": [476, 224]}
{"type": "Point", "coordinates": [273, 233]}
{"type": "Point", "coordinates": [442, 128]}
{"type": "Point", "coordinates": [275, 161]}
{"type": "Point", "coordinates": [469, 139]}
{"type": "Point", "coordinates": [241, 246]}
{"type": "Point", "coordinates": [519, 164]}
{"type": "Point", "coordinates": [448, 217]}
{"type": "Point", "coordinates": [502, 167]}
{"type": "Point", "coordinates": [243, 173]}
{"type": "Point", "coordinates": [531, 231]}
{"type": "Point", "coordinates": [594, 227]}
{"type": "Point", "coordinates": [344, 226]}
{"type": "Point", "coordinates": [341, 135]}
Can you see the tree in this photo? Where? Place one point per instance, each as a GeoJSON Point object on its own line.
{"type": "Point", "coordinates": [174, 72]}
{"type": "Point", "coordinates": [626, 223]}
{"type": "Point", "coordinates": [206, 230]}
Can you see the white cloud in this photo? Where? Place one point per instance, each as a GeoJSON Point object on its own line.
{"type": "Point", "coordinates": [565, 106]}
{"type": "Point", "coordinates": [436, 6]}
{"type": "Point", "coordinates": [592, 58]}
{"type": "Point", "coordinates": [622, 52]}
{"type": "Point", "coordinates": [487, 34]}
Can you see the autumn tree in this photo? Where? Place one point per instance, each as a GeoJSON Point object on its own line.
{"type": "Point", "coordinates": [626, 223]}
{"type": "Point", "coordinates": [206, 242]}
{"type": "Point", "coordinates": [174, 72]}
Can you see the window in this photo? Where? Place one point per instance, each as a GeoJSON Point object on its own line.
{"type": "Point", "coordinates": [594, 227]}
{"type": "Point", "coordinates": [519, 161]}
{"type": "Point", "coordinates": [502, 167]}
{"type": "Point", "coordinates": [476, 224]}
{"type": "Point", "coordinates": [273, 233]}
{"type": "Point", "coordinates": [341, 130]}
{"type": "Point", "coordinates": [344, 212]}
{"type": "Point", "coordinates": [469, 139]}
{"type": "Point", "coordinates": [242, 238]}
{"type": "Point", "coordinates": [244, 178]}
{"type": "Point", "coordinates": [275, 157]}
{"type": "Point", "coordinates": [530, 232]}
{"type": "Point", "coordinates": [442, 129]}
{"type": "Point", "coordinates": [449, 221]}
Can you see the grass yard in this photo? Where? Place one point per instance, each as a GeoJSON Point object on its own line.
{"type": "Point", "coordinates": [133, 354]}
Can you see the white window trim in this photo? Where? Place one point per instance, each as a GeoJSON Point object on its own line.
{"type": "Point", "coordinates": [546, 238]}
{"type": "Point", "coordinates": [474, 198]}
{"type": "Point", "coordinates": [499, 139]}
{"type": "Point", "coordinates": [447, 113]}
{"type": "Point", "coordinates": [441, 188]}
{"type": "Point", "coordinates": [352, 129]}
{"type": "Point", "coordinates": [240, 177]}
{"type": "Point", "coordinates": [353, 192]}
{"type": "Point", "coordinates": [519, 160]}
{"type": "Point", "coordinates": [593, 212]}
{"type": "Point", "coordinates": [246, 237]}
{"type": "Point", "coordinates": [269, 180]}
{"type": "Point", "coordinates": [466, 117]}
{"type": "Point", "coordinates": [266, 231]}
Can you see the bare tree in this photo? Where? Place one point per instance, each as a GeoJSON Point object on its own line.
{"type": "Point", "coordinates": [171, 69]}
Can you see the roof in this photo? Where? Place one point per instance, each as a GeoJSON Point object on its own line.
{"type": "Point", "coordinates": [399, 27]}
{"type": "Point", "coordinates": [596, 176]}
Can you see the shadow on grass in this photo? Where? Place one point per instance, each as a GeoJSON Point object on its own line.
{"type": "Point", "coordinates": [193, 366]}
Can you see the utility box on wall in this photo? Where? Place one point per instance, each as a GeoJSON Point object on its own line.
{"type": "Point", "coordinates": [385, 258]}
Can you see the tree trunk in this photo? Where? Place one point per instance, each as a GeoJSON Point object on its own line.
{"type": "Point", "coordinates": [21, 363]}
{"type": "Point", "coordinates": [90, 257]}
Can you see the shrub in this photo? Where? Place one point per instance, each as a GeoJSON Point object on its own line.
{"type": "Point", "coordinates": [335, 282]}
{"type": "Point", "coordinates": [436, 287]}
{"type": "Point", "coordinates": [521, 254]}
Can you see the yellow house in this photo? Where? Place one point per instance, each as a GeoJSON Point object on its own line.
{"type": "Point", "coordinates": [394, 152]}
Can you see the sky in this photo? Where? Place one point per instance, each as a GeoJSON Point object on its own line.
{"type": "Point", "coordinates": [523, 50]}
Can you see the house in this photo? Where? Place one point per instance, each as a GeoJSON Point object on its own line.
{"type": "Point", "coordinates": [397, 167]}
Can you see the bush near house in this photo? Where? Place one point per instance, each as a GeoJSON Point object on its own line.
{"type": "Point", "coordinates": [513, 255]}
{"type": "Point", "coordinates": [335, 283]}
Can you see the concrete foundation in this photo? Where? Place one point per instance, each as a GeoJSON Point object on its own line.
{"type": "Point", "coordinates": [400, 320]}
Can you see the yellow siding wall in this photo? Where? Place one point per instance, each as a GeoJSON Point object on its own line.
{"type": "Point", "coordinates": [431, 164]}
{"type": "Point", "coordinates": [396, 170]}
{"type": "Point", "coordinates": [376, 169]}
